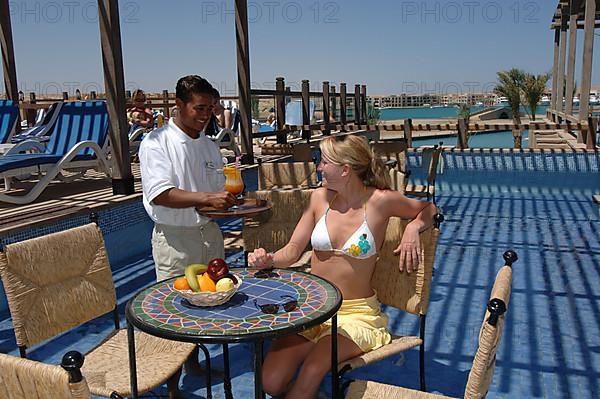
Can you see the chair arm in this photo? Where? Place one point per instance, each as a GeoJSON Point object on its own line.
{"type": "Point", "coordinates": [26, 145]}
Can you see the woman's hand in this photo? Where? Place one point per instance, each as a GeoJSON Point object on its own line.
{"type": "Point", "coordinates": [409, 250]}
{"type": "Point", "coordinates": [260, 259]}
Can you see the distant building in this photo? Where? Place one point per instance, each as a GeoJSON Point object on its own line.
{"type": "Point", "coordinates": [431, 99]}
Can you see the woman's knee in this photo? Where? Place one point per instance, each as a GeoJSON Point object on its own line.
{"type": "Point", "coordinates": [275, 380]}
{"type": "Point", "coordinates": [314, 369]}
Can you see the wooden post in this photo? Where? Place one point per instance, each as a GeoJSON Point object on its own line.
{"type": "Point", "coordinates": [326, 103]}
{"type": "Point", "coordinates": [363, 102]}
{"type": "Point", "coordinates": [280, 108]}
{"type": "Point", "coordinates": [8, 58]}
{"type": "Point", "coordinates": [592, 130]}
{"type": "Point", "coordinates": [564, 22]}
{"type": "Point", "coordinates": [462, 139]}
{"type": "Point", "coordinates": [114, 83]}
{"type": "Point", "coordinates": [553, 100]}
{"type": "Point", "coordinates": [243, 69]}
{"type": "Point", "coordinates": [30, 113]}
{"type": "Point", "coordinates": [166, 108]}
{"type": "Point", "coordinates": [586, 67]}
{"type": "Point", "coordinates": [343, 105]}
{"type": "Point", "coordinates": [306, 109]}
{"type": "Point", "coordinates": [333, 102]}
{"type": "Point", "coordinates": [408, 132]}
{"type": "Point", "coordinates": [574, 10]}
{"type": "Point", "coordinates": [357, 118]}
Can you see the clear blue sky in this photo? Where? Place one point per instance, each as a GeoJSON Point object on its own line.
{"type": "Point", "coordinates": [393, 46]}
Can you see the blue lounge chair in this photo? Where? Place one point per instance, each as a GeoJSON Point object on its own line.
{"type": "Point", "coordinates": [9, 113]}
{"type": "Point", "coordinates": [226, 138]}
{"type": "Point", "coordinates": [32, 140]}
{"type": "Point", "coordinates": [77, 143]}
{"type": "Point", "coordinates": [42, 129]}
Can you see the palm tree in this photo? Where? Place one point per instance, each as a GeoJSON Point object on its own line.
{"type": "Point", "coordinates": [373, 114]}
{"type": "Point", "coordinates": [465, 113]}
{"type": "Point", "coordinates": [533, 89]}
{"type": "Point", "coordinates": [509, 85]}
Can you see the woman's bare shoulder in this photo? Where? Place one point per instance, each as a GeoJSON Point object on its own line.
{"type": "Point", "coordinates": [320, 196]}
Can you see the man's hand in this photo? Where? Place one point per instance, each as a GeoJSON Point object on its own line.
{"type": "Point", "coordinates": [260, 259]}
{"type": "Point", "coordinates": [409, 250]}
{"type": "Point", "coordinates": [222, 200]}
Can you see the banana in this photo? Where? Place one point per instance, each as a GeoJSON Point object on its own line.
{"type": "Point", "coordinates": [191, 272]}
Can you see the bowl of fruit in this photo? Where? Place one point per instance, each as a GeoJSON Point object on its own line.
{"type": "Point", "coordinates": [207, 285]}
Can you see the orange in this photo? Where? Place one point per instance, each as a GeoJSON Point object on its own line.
{"type": "Point", "coordinates": [181, 284]}
{"type": "Point", "coordinates": [206, 283]}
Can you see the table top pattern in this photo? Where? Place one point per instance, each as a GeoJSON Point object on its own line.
{"type": "Point", "coordinates": [159, 307]}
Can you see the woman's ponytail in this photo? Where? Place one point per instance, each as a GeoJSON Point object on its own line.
{"type": "Point", "coordinates": [377, 174]}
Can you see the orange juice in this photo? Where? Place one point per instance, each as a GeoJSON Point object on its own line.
{"type": "Point", "coordinates": [233, 180]}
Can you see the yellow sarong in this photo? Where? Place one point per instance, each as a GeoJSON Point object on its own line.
{"type": "Point", "coordinates": [359, 320]}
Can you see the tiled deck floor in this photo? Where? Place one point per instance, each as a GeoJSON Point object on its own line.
{"type": "Point", "coordinates": [551, 343]}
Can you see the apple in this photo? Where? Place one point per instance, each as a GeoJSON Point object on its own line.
{"type": "Point", "coordinates": [217, 269]}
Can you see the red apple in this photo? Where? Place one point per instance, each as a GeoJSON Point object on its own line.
{"type": "Point", "coordinates": [217, 269]}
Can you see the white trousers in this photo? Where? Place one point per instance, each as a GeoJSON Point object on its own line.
{"type": "Point", "coordinates": [175, 247]}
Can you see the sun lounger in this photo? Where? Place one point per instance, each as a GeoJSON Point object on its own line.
{"type": "Point", "coordinates": [33, 139]}
{"type": "Point", "coordinates": [9, 112]}
{"type": "Point", "coordinates": [77, 143]}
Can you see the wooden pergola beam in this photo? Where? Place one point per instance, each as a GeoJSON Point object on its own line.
{"type": "Point", "coordinates": [586, 67]}
{"type": "Point", "coordinates": [8, 55]}
{"type": "Point", "coordinates": [243, 70]}
{"type": "Point", "coordinates": [114, 82]}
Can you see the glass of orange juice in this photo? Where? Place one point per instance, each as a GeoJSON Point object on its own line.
{"type": "Point", "coordinates": [233, 181]}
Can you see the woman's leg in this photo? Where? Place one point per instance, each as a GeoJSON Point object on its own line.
{"type": "Point", "coordinates": [318, 363]}
{"type": "Point", "coordinates": [282, 361]}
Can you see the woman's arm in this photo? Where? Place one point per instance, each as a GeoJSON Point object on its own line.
{"type": "Point", "coordinates": [421, 213]}
{"type": "Point", "coordinates": [292, 251]}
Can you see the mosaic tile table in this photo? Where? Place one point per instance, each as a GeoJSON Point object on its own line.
{"type": "Point", "coordinates": [160, 311]}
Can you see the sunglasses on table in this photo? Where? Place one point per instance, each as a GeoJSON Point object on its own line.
{"type": "Point", "coordinates": [273, 308]}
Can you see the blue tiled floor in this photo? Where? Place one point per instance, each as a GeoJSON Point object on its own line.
{"type": "Point", "coordinates": [551, 343]}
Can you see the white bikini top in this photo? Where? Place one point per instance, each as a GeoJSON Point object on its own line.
{"type": "Point", "coordinates": [360, 245]}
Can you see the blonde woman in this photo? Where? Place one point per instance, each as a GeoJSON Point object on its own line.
{"type": "Point", "coordinates": [345, 223]}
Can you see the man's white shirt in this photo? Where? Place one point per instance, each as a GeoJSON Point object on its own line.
{"type": "Point", "coordinates": [169, 158]}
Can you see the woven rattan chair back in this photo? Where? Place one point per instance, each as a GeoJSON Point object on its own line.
{"type": "Point", "coordinates": [23, 378]}
{"type": "Point", "coordinates": [408, 292]}
{"type": "Point", "coordinates": [56, 282]}
{"type": "Point", "coordinates": [274, 230]}
{"type": "Point", "coordinates": [394, 150]}
{"type": "Point", "coordinates": [484, 363]}
{"type": "Point", "coordinates": [286, 175]}
{"type": "Point", "coordinates": [480, 376]}
{"type": "Point", "coordinates": [433, 154]}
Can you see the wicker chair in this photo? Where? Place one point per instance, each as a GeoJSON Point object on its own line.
{"type": "Point", "coordinates": [480, 376]}
{"type": "Point", "coordinates": [427, 190]}
{"type": "Point", "coordinates": [407, 292]}
{"type": "Point", "coordinates": [24, 378]}
{"type": "Point", "coordinates": [287, 175]}
{"type": "Point", "coordinates": [275, 230]}
{"type": "Point", "coordinates": [62, 280]}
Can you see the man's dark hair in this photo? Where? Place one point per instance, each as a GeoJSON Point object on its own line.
{"type": "Point", "coordinates": [215, 93]}
{"type": "Point", "coordinates": [192, 84]}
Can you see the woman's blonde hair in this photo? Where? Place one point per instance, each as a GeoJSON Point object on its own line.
{"type": "Point", "coordinates": [355, 152]}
